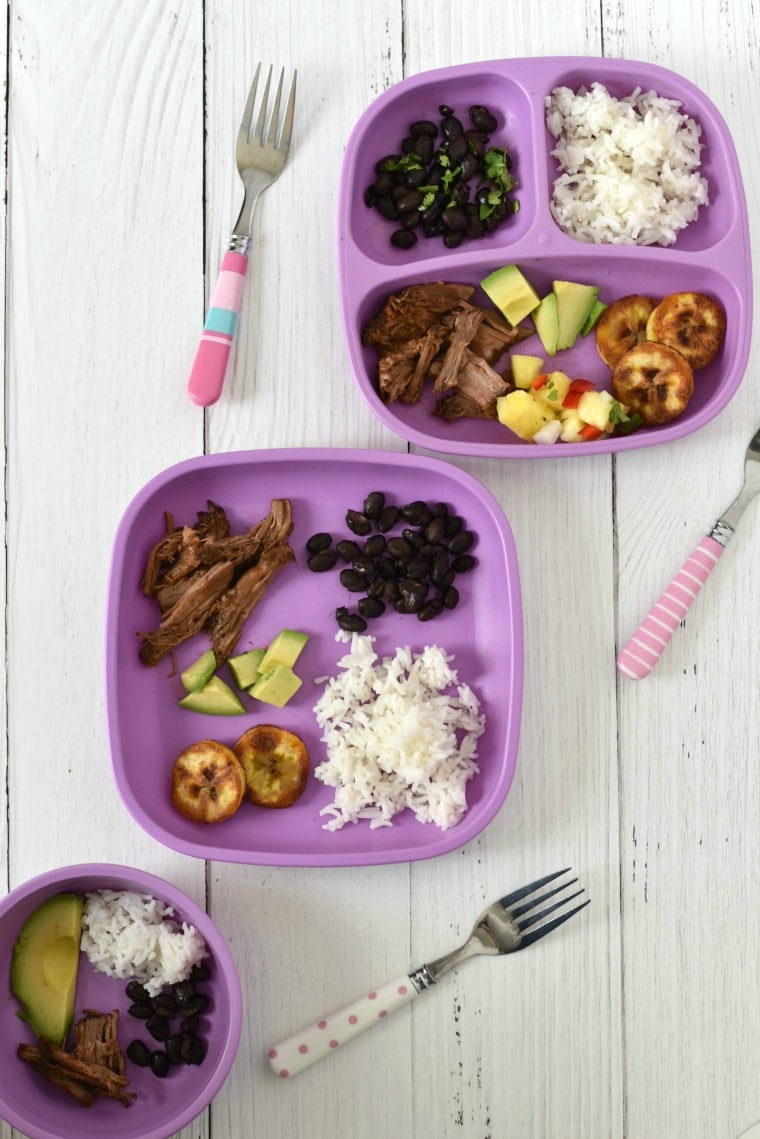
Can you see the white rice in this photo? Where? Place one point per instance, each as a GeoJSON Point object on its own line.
{"type": "Point", "coordinates": [396, 738]}
{"type": "Point", "coordinates": [630, 167]}
{"type": "Point", "coordinates": [130, 935]}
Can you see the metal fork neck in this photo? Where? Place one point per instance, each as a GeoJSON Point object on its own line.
{"type": "Point", "coordinates": [239, 243]}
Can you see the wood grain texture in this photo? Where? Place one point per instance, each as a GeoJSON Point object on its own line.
{"type": "Point", "coordinates": [635, 1021]}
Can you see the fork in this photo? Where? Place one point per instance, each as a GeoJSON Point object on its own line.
{"type": "Point", "coordinates": [260, 153]}
{"type": "Point", "coordinates": [641, 652]}
{"type": "Point", "coordinates": [515, 922]}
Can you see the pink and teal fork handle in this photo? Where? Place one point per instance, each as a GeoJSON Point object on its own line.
{"type": "Point", "coordinates": [318, 1040]}
{"type": "Point", "coordinates": [653, 635]}
{"type": "Point", "coordinates": [210, 365]}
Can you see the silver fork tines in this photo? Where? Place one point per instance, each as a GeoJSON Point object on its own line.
{"type": "Point", "coordinates": [262, 146]}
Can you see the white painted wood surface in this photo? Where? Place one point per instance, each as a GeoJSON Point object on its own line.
{"type": "Point", "coordinates": [640, 1020]}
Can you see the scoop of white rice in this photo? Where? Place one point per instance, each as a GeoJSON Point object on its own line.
{"type": "Point", "coordinates": [397, 736]}
{"type": "Point", "coordinates": [128, 935]}
{"type": "Point", "coordinates": [630, 167]}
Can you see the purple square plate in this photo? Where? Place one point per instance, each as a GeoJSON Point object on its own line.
{"type": "Point", "coordinates": [163, 1106]}
{"type": "Point", "coordinates": [711, 255]}
{"type": "Point", "coordinates": [484, 633]}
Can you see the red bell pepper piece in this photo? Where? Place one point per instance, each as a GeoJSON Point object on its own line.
{"type": "Point", "coordinates": [575, 391]}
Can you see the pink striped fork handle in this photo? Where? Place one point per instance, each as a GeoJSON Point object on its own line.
{"type": "Point", "coordinates": [653, 635]}
{"type": "Point", "coordinates": [212, 357]}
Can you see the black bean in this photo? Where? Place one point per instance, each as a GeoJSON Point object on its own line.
{"type": "Point", "coordinates": [174, 1049]}
{"type": "Point", "coordinates": [452, 240]}
{"type": "Point", "coordinates": [434, 530]}
{"type": "Point", "coordinates": [430, 549]}
{"type": "Point", "coordinates": [458, 147]}
{"type": "Point", "coordinates": [410, 220]}
{"type": "Point", "coordinates": [192, 1049]}
{"type": "Point", "coordinates": [413, 511]}
{"type": "Point", "coordinates": [324, 560]}
{"type": "Point", "coordinates": [453, 524]}
{"type": "Point", "coordinates": [413, 592]}
{"type": "Point", "coordinates": [430, 610]}
{"type": "Point", "coordinates": [385, 568]}
{"type": "Point", "coordinates": [374, 546]}
{"type": "Point", "coordinates": [371, 607]}
{"type": "Point", "coordinates": [454, 219]}
{"type": "Point", "coordinates": [403, 239]}
{"type": "Point", "coordinates": [482, 119]}
{"type": "Point", "coordinates": [423, 128]}
{"type": "Point", "coordinates": [165, 1005]}
{"type": "Point", "coordinates": [413, 537]}
{"type": "Point", "coordinates": [451, 125]}
{"type": "Point", "coordinates": [469, 168]}
{"type": "Point", "coordinates": [477, 143]}
{"type": "Point", "coordinates": [447, 578]}
{"type": "Point", "coordinates": [183, 992]}
{"type": "Point", "coordinates": [358, 523]}
{"type": "Point", "coordinates": [384, 182]}
{"type": "Point", "coordinates": [414, 177]}
{"type": "Point", "coordinates": [159, 1064]}
{"type": "Point", "coordinates": [464, 562]}
{"type": "Point", "coordinates": [350, 622]}
{"type": "Point", "coordinates": [388, 519]}
{"type": "Point", "coordinates": [424, 147]}
{"type": "Point", "coordinates": [400, 548]}
{"type": "Point", "coordinates": [408, 200]}
{"type": "Point", "coordinates": [450, 597]}
{"type": "Point", "coordinates": [139, 1053]}
{"type": "Point", "coordinates": [375, 587]}
{"type": "Point", "coordinates": [439, 568]}
{"type": "Point", "coordinates": [348, 550]}
{"type": "Point", "coordinates": [388, 163]}
{"type": "Point", "coordinates": [461, 542]}
{"type": "Point", "coordinates": [140, 1010]}
{"type": "Point", "coordinates": [387, 207]}
{"type": "Point", "coordinates": [391, 591]}
{"type": "Point", "coordinates": [407, 145]}
{"type": "Point", "coordinates": [318, 542]}
{"type": "Point", "coordinates": [158, 1027]}
{"type": "Point", "coordinates": [352, 581]}
{"type": "Point", "coordinates": [418, 566]}
{"type": "Point", "coordinates": [198, 1003]}
{"type": "Point", "coordinates": [200, 973]}
{"type": "Point", "coordinates": [439, 510]}
{"type": "Point", "coordinates": [189, 1023]}
{"type": "Point", "coordinates": [364, 566]}
{"type": "Point", "coordinates": [373, 504]}
{"type": "Point", "coordinates": [137, 992]}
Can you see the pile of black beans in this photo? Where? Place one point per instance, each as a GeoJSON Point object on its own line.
{"type": "Point", "coordinates": [406, 557]}
{"type": "Point", "coordinates": [446, 181]}
{"type": "Point", "coordinates": [172, 1018]}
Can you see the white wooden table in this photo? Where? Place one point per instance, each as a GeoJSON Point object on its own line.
{"type": "Point", "coordinates": [640, 1019]}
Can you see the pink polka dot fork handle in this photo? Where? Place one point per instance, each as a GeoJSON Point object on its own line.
{"type": "Point", "coordinates": [641, 653]}
{"type": "Point", "coordinates": [512, 923]}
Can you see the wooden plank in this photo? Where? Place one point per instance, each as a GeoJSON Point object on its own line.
{"type": "Point", "coordinates": [689, 798]}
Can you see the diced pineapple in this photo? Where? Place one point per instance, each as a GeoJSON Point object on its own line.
{"type": "Point", "coordinates": [525, 369]}
{"type": "Point", "coordinates": [554, 390]}
{"type": "Point", "coordinates": [572, 426]}
{"type": "Point", "coordinates": [594, 408]}
{"type": "Point", "coordinates": [523, 413]}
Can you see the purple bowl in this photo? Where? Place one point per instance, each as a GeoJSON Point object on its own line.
{"type": "Point", "coordinates": [711, 255]}
{"type": "Point", "coordinates": [162, 1107]}
{"type": "Point", "coordinates": [148, 729]}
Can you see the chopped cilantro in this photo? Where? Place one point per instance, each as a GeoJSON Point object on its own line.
{"type": "Point", "coordinates": [403, 162]}
{"type": "Point", "coordinates": [427, 199]}
{"type": "Point", "coordinates": [617, 413]}
{"type": "Point", "coordinates": [496, 169]}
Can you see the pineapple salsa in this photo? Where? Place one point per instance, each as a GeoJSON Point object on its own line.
{"type": "Point", "coordinates": [547, 407]}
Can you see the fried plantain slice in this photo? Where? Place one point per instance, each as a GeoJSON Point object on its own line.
{"type": "Point", "coordinates": [653, 380]}
{"type": "Point", "coordinates": [276, 765]}
{"type": "Point", "coordinates": [692, 323]}
{"type": "Point", "coordinates": [208, 782]}
{"type": "Point", "coordinates": [622, 326]}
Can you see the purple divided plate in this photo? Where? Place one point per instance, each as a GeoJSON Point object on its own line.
{"type": "Point", "coordinates": [484, 633]}
{"type": "Point", "coordinates": [162, 1107]}
{"type": "Point", "coordinates": [711, 255]}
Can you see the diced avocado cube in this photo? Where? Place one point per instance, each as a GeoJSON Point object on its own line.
{"type": "Point", "coordinates": [276, 686]}
{"type": "Point", "coordinates": [245, 667]}
{"type": "Point", "coordinates": [215, 699]}
{"type": "Point", "coordinates": [198, 674]}
{"type": "Point", "coordinates": [512, 294]}
{"type": "Point", "coordinates": [284, 649]}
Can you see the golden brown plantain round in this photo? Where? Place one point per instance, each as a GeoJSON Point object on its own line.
{"type": "Point", "coordinates": [208, 782]}
{"type": "Point", "coordinates": [275, 763]}
{"type": "Point", "coordinates": [692, 323]}
{"type": "Point", "coordinates": [653, 380]}
{"type": "Point", "coordinates": [622, 326]}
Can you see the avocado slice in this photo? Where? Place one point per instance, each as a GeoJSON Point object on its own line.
{"type": "Point", "coordinates": [276, 686]}
{"type": "Point", "coordinates": [245, 667]}
{"type": "Point", "coordinates": [284, 649]}
{"type": "Point", "coordinates": [45, 964]}
{"type": "Point", "coordinates": [215, 699]}
{"type": "Point", "coordinates": [199, 674]}
{"type": "Point", "coordinates": [592, 319]}
{"type": "Point", "coordinates": [512, 294]}
{"type": "Point", "coordinates": [546, 320]}
{"type": "Point", "coordinates": [574, 303]}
